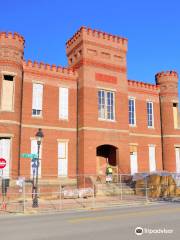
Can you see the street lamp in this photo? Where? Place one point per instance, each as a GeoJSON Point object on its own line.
{"type": "Point", "coordinates": [39, 135]}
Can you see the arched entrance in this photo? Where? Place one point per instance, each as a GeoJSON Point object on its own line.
{"type": "Point", "coordinates": [106, 155]}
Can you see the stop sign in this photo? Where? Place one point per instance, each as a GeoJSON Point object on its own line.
{"type": "Point", "coordinates": [2, 163]}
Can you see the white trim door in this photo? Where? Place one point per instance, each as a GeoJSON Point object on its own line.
{"type": "Point", "coordinates": [63, 159]}
{"type": "Point", "coordinates": [152, 159]}
{"type": "Point", "coordinates": [133, 162]}
{"type": "Point", "coordinates": [177, 159]}
{"type": "Point", "coordinates": [5, 148]}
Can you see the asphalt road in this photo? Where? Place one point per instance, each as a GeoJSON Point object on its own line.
{"type": "Point", "coordinates": [106, 224]}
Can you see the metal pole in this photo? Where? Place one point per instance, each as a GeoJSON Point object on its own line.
{"type": "Point", "coordinates": [146, 191]}
{"type": "Point", "coordinates": [121, 186]}
{"type": "Point", "coordinates": [60, 197]}
{"type": "Point", "coordinates": [33, 185]}
{"type": "Point", "coordinates": [24, 197]}
{"type": "Point", "coordinates": [35, 199]}
{"type": "Point", "coordinates": [94, 189]}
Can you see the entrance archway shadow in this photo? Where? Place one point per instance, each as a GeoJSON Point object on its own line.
{"type": "Point", "coordinates": [106, 155]}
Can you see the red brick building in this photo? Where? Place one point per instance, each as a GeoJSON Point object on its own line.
{"type": "Point", "coordinates": [90, 113]}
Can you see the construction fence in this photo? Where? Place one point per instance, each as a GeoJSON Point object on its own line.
{"type": "Point", "coordinates": [86, 192]}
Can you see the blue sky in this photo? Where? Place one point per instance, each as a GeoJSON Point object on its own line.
{"type": "Point", "coordinates": [152, 28]}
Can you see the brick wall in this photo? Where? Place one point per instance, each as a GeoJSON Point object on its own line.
{"type": "Point", "coordinates": [97, 60]}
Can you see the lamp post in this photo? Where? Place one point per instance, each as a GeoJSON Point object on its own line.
{"type": "Point", "coordinates": [39, 135]}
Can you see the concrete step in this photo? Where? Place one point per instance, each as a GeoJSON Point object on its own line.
{"type": "Point", "coordinates": [113, 189]}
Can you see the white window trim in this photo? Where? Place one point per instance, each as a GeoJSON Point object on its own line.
{"type": "Point", "coordinates": [41, 113]}
{"type": "Point", "coordinates": [114, 105]}
{"type": "Point", "coordinates": [60, 116]}
{"type": "Point", "coordinates": [14, 90]}
{"type": "Point", "coordinates": [151, 127]}
{"type": "Point", "coordinates": [106, 89]}
{"type": "Point", "coordinates": [134, 99]}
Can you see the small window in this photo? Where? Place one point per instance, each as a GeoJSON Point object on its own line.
{"type": "Point", "coordinates": [37, 99]}
{"type": "Point", "coordinates": [7, 99]}
{"type": "Point", "coordinates": [150, 114]}
{"type": "Point", "coordinates": [132, 112]}
{"type": "Point", "coordinates": [175, 114]}
{"type": "Point", "coordinates": [8, 77]}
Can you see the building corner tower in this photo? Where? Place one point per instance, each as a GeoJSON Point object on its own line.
{"type": "Point", "coordinates": [11, 78]}
{"type": "Point", "coordinates": [168, 82]}
{"type": "Point", "coordinates": [100, 60]}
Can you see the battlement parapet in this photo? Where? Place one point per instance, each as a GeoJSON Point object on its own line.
{"type": "Point", "coordinates": [166, 74]}
{"type": "Point", "coordinates": [12, 36]}
{"type": "Point", "coordinates": [134, 83]}
{"type": "Point", "coordinates": [51, 68]}
{"type": "Point", "coordinates": [96, 34]}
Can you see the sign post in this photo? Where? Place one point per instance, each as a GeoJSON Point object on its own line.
{"type": "Point", "coordinates": [3, 187]}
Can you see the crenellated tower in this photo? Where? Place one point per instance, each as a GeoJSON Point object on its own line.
{"type": "Point", "coordinates": [11, 78]}
{"type": "Point", "coordinates": [100, 60]}
{"type": "Point", "coordinates": [168, 82]}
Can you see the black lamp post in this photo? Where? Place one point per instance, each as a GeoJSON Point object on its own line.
{"type": "Point", "coordinates": [39, 135]}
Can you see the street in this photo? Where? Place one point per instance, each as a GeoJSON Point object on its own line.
{"type": "Point", "coordinates": [106, 224]}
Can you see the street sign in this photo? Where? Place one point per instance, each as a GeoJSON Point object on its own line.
{"type": "Point", "coordinates": [35, 163]}
{"type": "Point", "coordinates": [2, 163]}
{"type": "Point", "coordinates": [29, 155]}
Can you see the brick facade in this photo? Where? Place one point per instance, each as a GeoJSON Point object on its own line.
{"type": "Point", "coordinates": [96, 60]}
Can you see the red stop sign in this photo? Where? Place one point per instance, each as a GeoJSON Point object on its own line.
{"type": "Point", "coordinates": [2, 163]}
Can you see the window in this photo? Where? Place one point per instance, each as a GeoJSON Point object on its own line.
{"type": "Point", "coordinates": [106, 105]}
{"type": "Point", "coordinates": [5, 149]}
{"type": "Point", "coordinates": [62, 158]}
{"type": "Point", "coordinates": [63, 103]}
{"type": "Point", "coordinates": [132, 113]}
{"type": "Point", "coordinates": [37, 99]}
{"type": "Point", "coordinates": [7, 100]}
{"type": "Point", "coordinates": [175, 114]}
{"type": "Point", "coordinates": [150, 114]}
{"type": "Point", "coordinates": [34, 150]}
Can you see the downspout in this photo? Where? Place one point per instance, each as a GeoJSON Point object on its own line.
{"type": "Point", "coordinates": [162, 144]}
{"type": "Point", "coordinates": [77, 133]}
{"type": "Point", "coordinates": [20, 127]}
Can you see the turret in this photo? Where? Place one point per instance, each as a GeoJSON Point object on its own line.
{"type": "Point", "coordinates": [11, 78]}
{"type": "Point", "coordinates": [168, 83]}
{"type": "Point", "coordinates": [11, 67]}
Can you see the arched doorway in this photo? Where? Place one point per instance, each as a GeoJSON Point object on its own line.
{"type": "Point", "coordinates": [106, 155]}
